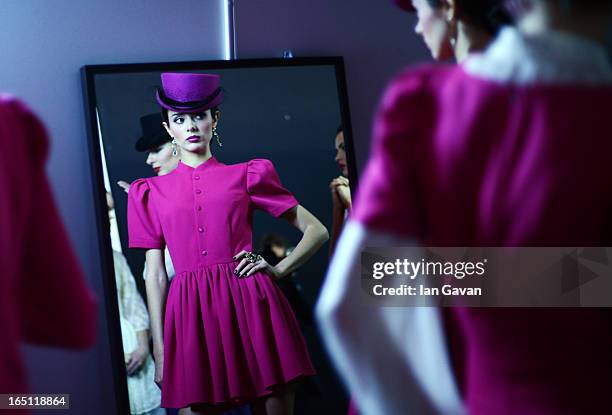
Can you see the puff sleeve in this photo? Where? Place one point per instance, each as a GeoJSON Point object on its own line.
{"type": "Point", "coordinates": [265, 189]}
{"type": "Point", "coordinates": [144, 227]}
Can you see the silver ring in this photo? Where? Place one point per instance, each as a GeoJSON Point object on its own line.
{"type": "Point", "coordinates": [253, 258]}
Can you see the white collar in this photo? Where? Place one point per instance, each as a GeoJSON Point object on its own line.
{"type": "Point", "coordinates": [548, 58]}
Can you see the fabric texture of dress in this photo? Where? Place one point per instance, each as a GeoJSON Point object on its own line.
{"type": "Point", "coordinates": [512, 148]}
{"type": "Point", "coordinates": [44, 297]}
{"type": "Point", "coordinates": [227, 340]}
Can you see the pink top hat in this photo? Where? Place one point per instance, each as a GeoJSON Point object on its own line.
{"type": "Point", "coordinates": [189, 92]}
{"type": "Point", "coordinates": [404, 5]}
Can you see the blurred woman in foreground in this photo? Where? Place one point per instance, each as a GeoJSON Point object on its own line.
{"type": "Point", "coordinates": [44, 298]}
{"type": "Point", "coordinates": [484, 154]}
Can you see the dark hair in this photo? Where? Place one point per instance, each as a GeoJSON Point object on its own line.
{"type": "Point", "coordinates": [164, 113]}
{"type": "Point", "coordinates": [489, 15]}
{"type": "Point", "coordinates": [339, 130]}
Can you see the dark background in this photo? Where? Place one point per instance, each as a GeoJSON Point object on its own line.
{"type": "Point", "coordinates": [287, 114]}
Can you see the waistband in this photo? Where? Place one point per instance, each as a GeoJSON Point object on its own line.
{"type": "Point", "coordinates": [201, 267]}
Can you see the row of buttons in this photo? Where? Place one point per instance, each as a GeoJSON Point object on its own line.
{"type": "Point", "coordinates": [199, 208]}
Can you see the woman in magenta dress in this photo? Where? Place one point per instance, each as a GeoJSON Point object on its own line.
{"type": "Point", "coordinates": [510, 148]}
{"type": "Point", "coordinates": [452, 30]}
{"type": "Point", "coordinates": [229, 336]}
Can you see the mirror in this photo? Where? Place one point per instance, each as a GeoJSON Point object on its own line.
{"type": "Point", "coordinates": [293, 112]}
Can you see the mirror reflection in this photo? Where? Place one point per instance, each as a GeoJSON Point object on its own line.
{"type": "Point", "coordinates": [223, 187]}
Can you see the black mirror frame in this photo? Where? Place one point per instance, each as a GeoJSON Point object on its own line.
{"type": "Point", "coordinates": [88, 74]}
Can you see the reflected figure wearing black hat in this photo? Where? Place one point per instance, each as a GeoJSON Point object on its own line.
{"type": "Point", "coordinates": [162, 156]}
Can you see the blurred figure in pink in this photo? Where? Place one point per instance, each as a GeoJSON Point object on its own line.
{"type": "Point", "coordinates": [509, 148]}
{"type": "Point", "coordinates": [44, 299]}
{"type": "Point", "coordinates": [453, 30]}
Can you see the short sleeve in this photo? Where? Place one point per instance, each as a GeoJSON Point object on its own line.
{"type": "Point", "coordinates": [388, 196]}
{"type": "Point", "coordinates": [144, 227]}
{"type": "Point", "coordinates": [265, 188]}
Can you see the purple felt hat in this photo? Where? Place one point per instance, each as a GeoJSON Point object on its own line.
{"type": "Point", "coordinates": [404, 5]}
{"type": "Point", "coordinates": [189, 92]}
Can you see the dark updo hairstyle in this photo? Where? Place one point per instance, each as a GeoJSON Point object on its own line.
{"type": "Point", "coordinates": [164, 113]}
{"type": "Point", "coordinates": [489, 15]}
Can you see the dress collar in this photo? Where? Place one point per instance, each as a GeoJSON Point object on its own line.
{"type": "Point", "coordinates": [211, 162]}
{"type": "Point", "coordinates": [549, 58]}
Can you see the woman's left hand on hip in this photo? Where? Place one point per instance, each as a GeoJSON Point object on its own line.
{"type": "Point", "coordinates": [251, 263]}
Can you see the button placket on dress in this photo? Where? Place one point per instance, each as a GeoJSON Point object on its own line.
{"type": "Point", "coordinates": [199, 194]}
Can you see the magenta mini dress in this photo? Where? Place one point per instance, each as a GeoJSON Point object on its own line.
{"type": "Point", "coordinates": [227, 340]}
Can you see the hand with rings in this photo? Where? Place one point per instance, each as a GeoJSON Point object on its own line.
{"type": "Point", "coordinates": [251, 263]}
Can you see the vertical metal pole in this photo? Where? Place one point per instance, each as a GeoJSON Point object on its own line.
{"type": "Point", "coordinates": [231, 28]}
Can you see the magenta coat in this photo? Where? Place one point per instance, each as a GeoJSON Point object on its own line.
{"type": "Point", "coordinates": [43, 295]}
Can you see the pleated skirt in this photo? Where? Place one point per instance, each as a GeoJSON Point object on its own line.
{"type": "Point", "coordinates": [228, 340]}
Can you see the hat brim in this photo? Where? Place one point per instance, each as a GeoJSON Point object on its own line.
{"type": "Point", "coordinates": [149, 142]}
{"type": "Point", "coordinates": [187, 109]}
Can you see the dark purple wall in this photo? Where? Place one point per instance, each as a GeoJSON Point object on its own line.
{"type": "Point", "coordinates": [375, 38]}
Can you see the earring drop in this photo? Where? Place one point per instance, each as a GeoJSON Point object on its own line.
{"type": "Point", "coordinates": [216, 135]}
{"type": "Point", "coordinates": [174, 151]}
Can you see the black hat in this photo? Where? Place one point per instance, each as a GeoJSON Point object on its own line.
{"type": "Point", "coordinates": [153, 133]}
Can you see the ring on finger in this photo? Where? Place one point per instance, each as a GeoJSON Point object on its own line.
{"type": "Point", "coordinates": [253, 258]}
